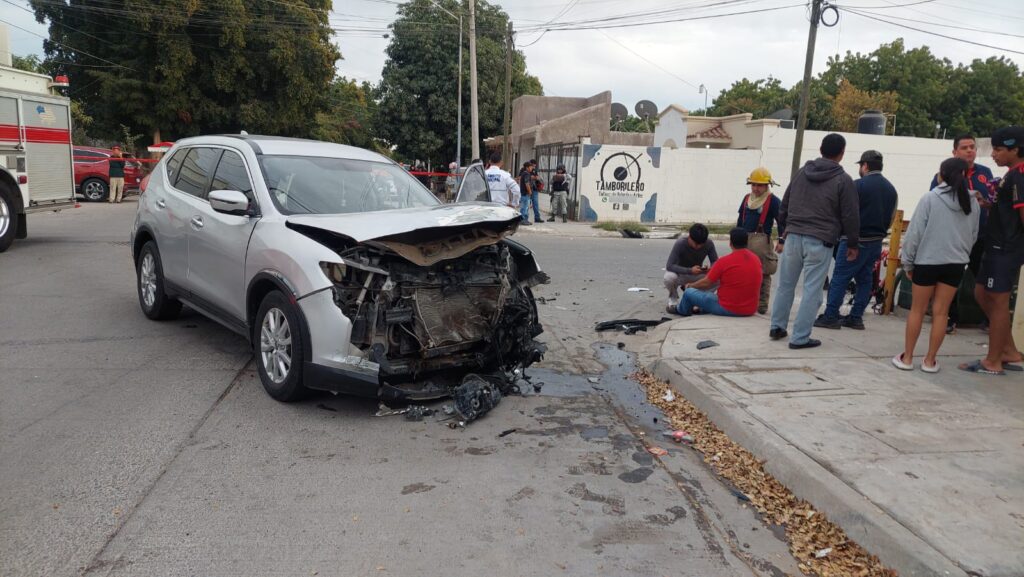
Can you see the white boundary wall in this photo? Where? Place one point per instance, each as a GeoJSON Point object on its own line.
{"type": "Point", "coordinates": [707, 185]}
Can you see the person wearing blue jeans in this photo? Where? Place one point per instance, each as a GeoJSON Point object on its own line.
{"type": "Point", "coordinates": [819, 206]}
{"type": "Point", "coordinates": [526, 186]}
{"type": "Point", "coordinates": [878, 199]}
{"type": "Point", "coordinates": [810, 256]}
{"type": "Point", "coordinates": [706, 302]}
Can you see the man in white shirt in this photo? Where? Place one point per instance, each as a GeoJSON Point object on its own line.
{"type": "Point", "coordinates": [504, 189]}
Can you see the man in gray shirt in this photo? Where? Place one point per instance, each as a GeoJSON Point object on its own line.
{"type": "Point", "coordinates": [820, 205]}
{"type": "Point", "coordinates": [686, 261]}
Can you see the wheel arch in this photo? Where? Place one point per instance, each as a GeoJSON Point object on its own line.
{"type": "Point", "coordinates": [142, 236]}
{"type": "Point", "coordinates": [7, 181]}
{"type": "Point", "coordinates": [260, 286]}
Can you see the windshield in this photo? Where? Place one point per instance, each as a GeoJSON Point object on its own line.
{"type": "Point", "coordinates": [321, 185]}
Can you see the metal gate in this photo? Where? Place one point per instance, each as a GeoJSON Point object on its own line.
{"type": "Point", "coordinates": [549, 156]}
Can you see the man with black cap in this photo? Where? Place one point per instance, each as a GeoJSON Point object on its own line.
{"type": "Point", "coordinates": [1004, 253]}
{"type": "Point", "coordinates": [877, 197]}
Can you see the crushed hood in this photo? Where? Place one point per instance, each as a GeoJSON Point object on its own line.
{"type": "Point", "coordinates": [421, 235]}
{"type": "Point", "coordinates": [365, 226]}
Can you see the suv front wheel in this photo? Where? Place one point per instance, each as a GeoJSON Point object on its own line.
{"type": "Point", "coordinates": [278, 343]}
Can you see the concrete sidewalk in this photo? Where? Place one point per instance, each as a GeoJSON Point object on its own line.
{"type": "Point", "coordinates": [925, 471]}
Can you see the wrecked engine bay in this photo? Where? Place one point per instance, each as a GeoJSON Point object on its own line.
{"type": "Point", "coordinates": [458, 322]}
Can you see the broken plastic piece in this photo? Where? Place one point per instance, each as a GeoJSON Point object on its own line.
{"type": "Point", "coordinates": [417, 412]}
{"type": "Point", "coordinates": [593, 380]}
{"type": "Point", "coordinates": [657, 451]}
{"type": "Point", "coordinates": [669, 396]}
{"type": "Point", "coordinates": [678, 436]}
{"type": "Point", "coordinates": [638, 289]}
{"type": "Point", "coordinates": [739, 495]}
{"type": "Point", "coordinates": [706, 345]}
{"type": "Point", "coordinates": [507, 432]}
{"type": "Point", "coordinates": [628, 325]}
{"type": "Point", "coordinates": [823, 552]}
{"type": "Point", "coordinates": [386, 411]}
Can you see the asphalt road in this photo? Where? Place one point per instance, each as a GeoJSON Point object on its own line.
{"type": "Point", "coordinates": [131, 447]}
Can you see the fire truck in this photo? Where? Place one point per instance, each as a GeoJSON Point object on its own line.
{"type": "Point", "coordinates": [36, 170]}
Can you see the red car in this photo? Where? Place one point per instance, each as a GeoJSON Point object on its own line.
{"type": "Point", "coordinates": [91, 167]}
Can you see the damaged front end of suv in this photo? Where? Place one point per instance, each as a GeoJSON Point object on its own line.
{"type": "Point", "coordinates": [438, 309]}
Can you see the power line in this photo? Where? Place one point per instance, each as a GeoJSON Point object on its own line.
{"type": "Point", "coordinates": [946, 36]}
{"type": "Point", "coordinates": [651, 62]}
{"type": "Point", "coordinates": [984, 30]}
{"type": "Point", "coordinates": [674, 20]}
{"type": "Point", "coordinates": [66, 46]}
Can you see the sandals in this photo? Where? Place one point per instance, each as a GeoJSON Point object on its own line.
{"type": "Point", "coordinates": [1013, 367]}
{"type": "Point", "coordinates": [977, 367]}
{"type": "Point", "coordinates": [932, 369]}
{"type": "Point", "coordinates": [897, 362]}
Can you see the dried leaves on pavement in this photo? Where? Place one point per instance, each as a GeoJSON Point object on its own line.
{"type": "Point", "coordinates": [821, 547]}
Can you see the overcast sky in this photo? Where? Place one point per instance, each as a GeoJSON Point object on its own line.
{"type": "Point", "coordinates": [666, 62]}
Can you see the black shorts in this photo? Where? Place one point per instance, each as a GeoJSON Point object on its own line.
{"type": "Point", "coordinates": [999, 270]}
{"type": "Point", "coordinates": [931, 274]}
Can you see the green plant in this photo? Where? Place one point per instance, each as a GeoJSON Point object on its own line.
{"type": "Point", "coordinates": [617, 226]}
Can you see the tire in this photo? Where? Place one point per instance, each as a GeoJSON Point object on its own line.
{"type": "Point", "coordinates": [149, 275]}
{"type": "Point", "coordinates": [8, 219]}
{"type": "Point", "coordinates": [278, 344]}
{"type": "Point", "coordinates": [95, 190]}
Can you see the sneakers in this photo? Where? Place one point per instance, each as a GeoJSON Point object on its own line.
{"type": "Point", "coordinates": [762, 309]}
{"type": "Point", "coordinates": [810, 344]}
{"type": "Point", "coordinates": [671, 310]}
{"type": "Point", "coordinates": [552, 219]}
{"type": "Point", "coordinates": [526, 222]}
{"type": "Point", "coordinates": [826, 323]}
{"type": "Point", "coordinates": [950, 327]}
{"type": "Point", "coordinates": [852, 323]}
{"type": "Point", "coordinates": [777, 334]}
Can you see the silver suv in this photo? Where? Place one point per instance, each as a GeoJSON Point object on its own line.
{"type": "Point", "coordinates": [344, 272]}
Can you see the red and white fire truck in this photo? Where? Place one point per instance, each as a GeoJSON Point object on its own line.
{"type": "Point", "coordinates": [36, 166]}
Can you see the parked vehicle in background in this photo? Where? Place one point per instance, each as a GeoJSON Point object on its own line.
{"type": "Point", "coordinates": [35, 150]}
{"type": "Point", "coordinates": [91, 173]}
{"type": "Point", "coordinates": [344, 272]}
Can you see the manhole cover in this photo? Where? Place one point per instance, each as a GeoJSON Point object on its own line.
{"type": "Point", "coordinates": [767, 382]}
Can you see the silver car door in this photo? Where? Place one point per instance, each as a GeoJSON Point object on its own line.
{"type": "Point", "coordinates": [170, 212]}
{"type": "Point", "coordinates": [218, 241]}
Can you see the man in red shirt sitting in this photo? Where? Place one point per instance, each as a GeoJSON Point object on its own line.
{"type": "Point", "coordinates": [738, 276]}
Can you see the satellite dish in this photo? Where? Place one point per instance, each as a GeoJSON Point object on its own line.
{"type": "Point", "coordinates": [619, 111]}
{"type": "Point", "coordinates": [646, 109]}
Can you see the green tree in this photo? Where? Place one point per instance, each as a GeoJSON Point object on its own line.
{"type": "Point", "coordinates": [30, 63]}
{"type": "Point", "coordinates": [634, 124]}
{"type": "Point", "coordinates": [759, 97]}
{"type": "Point", "coordinates": [183, 67]}
{"type": "Point", "coordinates": [850, 102]}
{"type": "Point", "coordinates": [983, 96]}
{"type": "Point", "coordinates": [349, 116]}
{"type": "Point", "coordinates": [418, 90]}
{"type": "Point", "coordinates": [917, 77]}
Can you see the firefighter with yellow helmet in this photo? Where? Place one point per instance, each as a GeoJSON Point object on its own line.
{"type": "Point", "coordinates": [758, 214]}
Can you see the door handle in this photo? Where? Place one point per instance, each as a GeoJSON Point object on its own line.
{"type": "Point", "coordinates": [197, 222]}
{"type": "Point", "coordinates": [161, 203]}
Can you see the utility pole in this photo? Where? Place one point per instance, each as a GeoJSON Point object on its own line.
{"type": "Point", "coordinates": [474, 110]}
{"type": "Point", "coordinates": [506, 141]}
{"type": "Point", "coordinates": [805, 90]}
{"type": "Point", "coordinates": [458, 115]}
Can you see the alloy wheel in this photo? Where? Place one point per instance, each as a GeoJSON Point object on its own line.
{"type": "Point", "coordinates": [93, 190]}
{"type": "Point", "coordinates": [147, 279]}
{"type": "Point", "coordinates": [276, 345]}
{"type": "Point", "coordinates": [5, 216]}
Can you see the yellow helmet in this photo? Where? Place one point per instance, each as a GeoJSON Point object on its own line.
{"type": "Point", "coordinates": [761, 175]}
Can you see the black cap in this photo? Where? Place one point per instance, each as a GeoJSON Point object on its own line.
{"type": "Point", "coordinates": [870, 156]}
{"type": "Point", "coordinates": [1009, 136]}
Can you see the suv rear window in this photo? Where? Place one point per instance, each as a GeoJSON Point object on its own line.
{"type": "Point", "coordinates": [194, 176]}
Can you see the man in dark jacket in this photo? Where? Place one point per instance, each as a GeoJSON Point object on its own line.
{"type": "Point", "coordinates": [878, 198]}
{"type": "Point", "coordinates": [819, 206]}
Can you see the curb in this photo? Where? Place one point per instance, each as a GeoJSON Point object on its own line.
{"type": "Point", "coordinates": [865, 522]}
